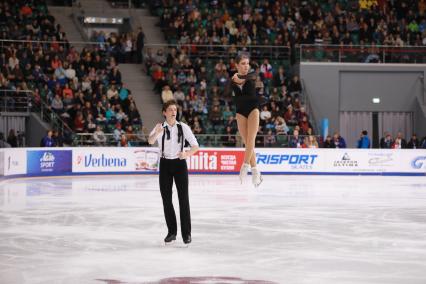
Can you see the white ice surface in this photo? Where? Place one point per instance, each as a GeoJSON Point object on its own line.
{"type": "Point", "coordinates": [293, 229]}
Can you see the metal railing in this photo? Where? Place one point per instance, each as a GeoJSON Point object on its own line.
{"type": "Point", "coordinates": [24, 101]}
{"type": "Point", "coordinates": [33, 44]}
{"type": "Point", "coordinates": [56, 122]}
{"type": "Point", "coordinates": [205, 140]}
{"type": "Point", "coordinates": [109, 139]}
{"type": "Point", "coordinates": [226, 52]}
{"type": "Point", "coordinates": [278, 54]}
{"type": "Point", "coordinates": [362, 53]}
{"type": "Point", "coordinates": [15, 101]}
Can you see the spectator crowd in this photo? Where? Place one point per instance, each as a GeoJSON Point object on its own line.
{"type": "Point", "coordinates": [291, 23]}
{"type": "Point", "coordinates": [81, 86]}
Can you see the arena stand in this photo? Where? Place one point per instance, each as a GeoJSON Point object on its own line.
{"type": "Point", "coordinates": [73, 90]}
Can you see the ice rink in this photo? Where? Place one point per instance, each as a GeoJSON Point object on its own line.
{"type": "Point", "coordinates": [292, 229]}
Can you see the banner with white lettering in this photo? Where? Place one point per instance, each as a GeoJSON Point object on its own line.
{"type": "Point", "coordinates": [216, 161]}
{"type": "Point", "coordinates": [49, 161]}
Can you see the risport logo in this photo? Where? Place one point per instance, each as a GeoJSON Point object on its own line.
{"type": "Point", "coordinates": [418, 162]}
{"type": "Point", "coordinates": [203, 161]}
{"type": "Point", "coordinates": [102, 161]}
{"type": "Point", "coordinates": [345, 161]}
{"type": "Point", "coordinates": [295, 161]}
{"type": "Point", "coordinates": [54, 161]}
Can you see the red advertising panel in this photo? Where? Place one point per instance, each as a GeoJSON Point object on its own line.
{"type": "Point", "coordinates": [216, 161]}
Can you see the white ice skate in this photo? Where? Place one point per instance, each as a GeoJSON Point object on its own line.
{"type": "Point", "coordinates": [256, 177]}
{"type": "Point", "coordinates": [244, 171]}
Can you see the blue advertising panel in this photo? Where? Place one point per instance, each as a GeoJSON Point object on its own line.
{"type": "Point", "coordinates": [49, 161]}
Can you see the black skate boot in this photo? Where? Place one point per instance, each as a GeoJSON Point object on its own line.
{"type": "Point", "coordinates": [169, 238]}
{"type": "Point", "coordinates": [187, 240]}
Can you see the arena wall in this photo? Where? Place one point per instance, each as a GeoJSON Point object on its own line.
{"type": "Point", "coordinates": [336, 87]}
{"type": "Point", "coordinates": [23, 162]}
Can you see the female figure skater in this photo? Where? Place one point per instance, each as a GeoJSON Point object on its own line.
{"type": "Point", "coordinates": [247, 108]}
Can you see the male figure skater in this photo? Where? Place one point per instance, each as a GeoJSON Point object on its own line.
{"type": "Point", "coordinates": [171, 136]}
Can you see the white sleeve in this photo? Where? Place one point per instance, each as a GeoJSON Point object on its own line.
{"type": "Point", "coordinates": [189, 136]}
{"type": "Point", "coordinates": [158, 139]}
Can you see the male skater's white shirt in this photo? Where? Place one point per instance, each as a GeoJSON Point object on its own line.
{"type": "Point", "coordinates": [171, 146]}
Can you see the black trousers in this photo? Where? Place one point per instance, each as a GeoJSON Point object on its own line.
{"type": "Point", "coordinates": [175, 169]}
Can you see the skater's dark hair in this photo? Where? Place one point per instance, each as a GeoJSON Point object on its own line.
{"type": "Point", "coordinates": [242, 55]}
{"type": "Point", "coordinates": [169, 103]}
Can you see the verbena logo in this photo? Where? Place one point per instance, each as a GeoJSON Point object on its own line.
{"type": "Point", "coordinates": [93, 161]}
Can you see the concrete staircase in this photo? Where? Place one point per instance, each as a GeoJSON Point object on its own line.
{"type": "Point", "coordinates": [147, 102]}
{"type": "Point", "coordinates": [134, 78]}
{"type": "Point", "coordinates": [100, 7]}
{"type": "Point", "coordinates": [150, 106]}
{"type": "Point", "coordinates": [153, 33]}
{"type": "Point", "coordinates": [63, 16]}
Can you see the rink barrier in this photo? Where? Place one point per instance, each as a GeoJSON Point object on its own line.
{"type": "Point", "coordinates": [31, 162]}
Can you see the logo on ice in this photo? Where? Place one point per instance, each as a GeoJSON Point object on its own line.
{"type": "Point", "coordinates": [92, 161]}
{"type": "Point", "coordinates": [202, 161]}
{"type": "Point", "coordinates": [47, 160]}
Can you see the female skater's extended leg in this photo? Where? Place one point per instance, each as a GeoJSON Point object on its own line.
{"type": "Point", "coordinates": [242, 123]}
{"type": "Point", "coordinates": [248, 128]}
{"type": "Point", "coordinates": [242, 128]}
{"type": "Point", "coordinates": [252, 128]}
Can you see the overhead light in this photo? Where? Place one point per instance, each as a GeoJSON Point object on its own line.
{"type": "Point", "coordinates": [376, 100]}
